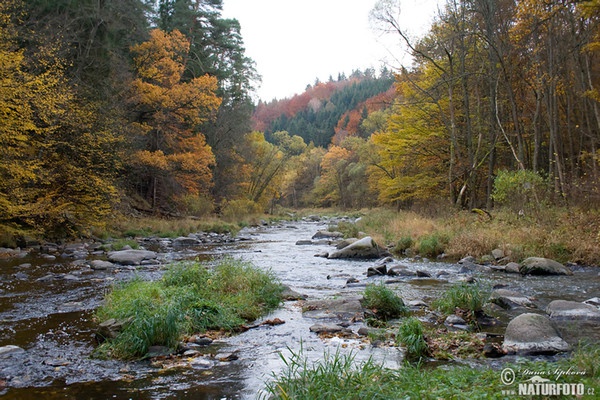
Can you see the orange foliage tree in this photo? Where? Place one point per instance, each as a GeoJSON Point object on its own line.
{"type": "Point", "coordinates": [171, 158]}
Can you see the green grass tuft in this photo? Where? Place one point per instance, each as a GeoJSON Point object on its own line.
{"type": "Point", "coordinates": [339, 377]}
{"type": "Point", "coordinates": [410, 335]}
{"type": "Point", "coordinates": [465, 296]}
{"type": "Point", "coordinates": [384, 302]}
{"type": "Point", "coordinates": [189, 299]}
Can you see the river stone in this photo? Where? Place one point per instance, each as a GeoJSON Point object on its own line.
{"type": "Point", "coordinates": [328, 235]}
{"type": "Point", "coordinates": [10, 349]}
{"type": "Point", "coordinates": [594, 301]}
{"type": "Point", "coordinates": [110, 328]}
{"type": "Point", "coordinates": [543, 266]}
{"type": "Point", "coordinates": [290, 295]}
{"type": "Point", "coordinates": [400, 270]}
{"type": "Point", "coordinates": [509, 299]}
{"type": "Point", "coordinates": [498, 254]}
{"type": "Point", "coordinates": [131, 257]}
{"type": "Point", "coordinates": [332, 308]}
{"type": "Point", "coordinates": [378, 270]}
{"type": "Point", "coordinates": [345, 243]}
{"type": "Point", "coordinates": [184, 241]}
{"type": "Point", "coordinates": [362, 248]}
{"type": "Point", "coordinates": [533, 334]}
{"type": "Point", "coordinates": [512, 267]}
{"type": "Point", "coordinates": [326, 328]}
{"type": "Point", "coordinates": [572, 310]}
{"type": "Point", "coordinates": [101, 265]}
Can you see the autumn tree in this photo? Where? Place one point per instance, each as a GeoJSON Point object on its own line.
{"type": "Point", "coordinates": [171, 156]}
{"type": "Point", "coordinates": [58, 164]}
{"type": "Point", "coordinates": [268, 162]}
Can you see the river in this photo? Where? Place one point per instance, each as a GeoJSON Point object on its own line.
{"type": "Point", "coordinates": [47, 306]}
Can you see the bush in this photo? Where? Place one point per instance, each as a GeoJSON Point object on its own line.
{"type": "Point", "coordinates": [235, 210]}
{"type": "Point", "coordinates": [410, 335]}
{"type": "Point", "coordinates": [403, 244]}
{"type": "Point", "coordinates": [198, 206]}
{"type": "Point", "coordinates": [189, 299]}
{"type": "Point", "coordinates": [384, 302]}
{"type": "Point", "coordinates": [519, 189]}
{"type": "Point", "coordinates": [431, 245]}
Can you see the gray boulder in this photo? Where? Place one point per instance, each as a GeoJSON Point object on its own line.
{"type": "Point", "coordinates": [344, 309]}
{"type": "Point", "coordinates": [101, 265]}
{"type": "Point", "coordinates": [10, 349]}
{"type": "Point", "coordinates": [509, 299]}
{"type": "Point", "coordinates": [131, 257]}
{"type": "Point", "coordinates": [543, 266]}
{"type": "Point", "coordinates": [326, 328]}
{"type": "Point", "coordinates": [327, 235]}
{"type": "Point", "coordinates": [533, 334]}
{"type": "Point", "coordinates": [363, 248]}
{"type": "Point", "coordinates": [186, 241]}
{"type": "Point", "coordinates": [572, 310]}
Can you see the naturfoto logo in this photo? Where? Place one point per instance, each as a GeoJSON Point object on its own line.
{"type": "Point", "coordinates": [538, 385]}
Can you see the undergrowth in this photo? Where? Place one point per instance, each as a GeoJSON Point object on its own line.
{"type": "Point", "coordinates": [341, 377]}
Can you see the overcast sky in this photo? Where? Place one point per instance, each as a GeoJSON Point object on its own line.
{"type": "Point", "coordinates": [293, 42]}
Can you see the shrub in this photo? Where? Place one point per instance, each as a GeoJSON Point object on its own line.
{"type": "Point", "coordinates": [198, 206]}
{"type": "Point", "coordinates": [519, 189]}
{"type": "Point", "coordinates": [235, 210]}
{"type": "Point", "coordinates": [189, 298]}
{"type": "Point", "coordinates": [431, 245]}
{"type": "Point", "coordinates": [384, 302]}
{"type": "Point", "coordinates": [410, 335]}
{"type": "Point", "coordinates": [403, 244]}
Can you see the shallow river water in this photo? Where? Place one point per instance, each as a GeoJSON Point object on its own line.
{"type": "Point", "coordinates": [46, 308]}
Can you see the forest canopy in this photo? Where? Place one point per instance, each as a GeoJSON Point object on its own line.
{"type": "Point", "coordinates": [121, 105]}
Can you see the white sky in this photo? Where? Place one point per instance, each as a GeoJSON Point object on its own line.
{"type": "Point", "coordinates": [293, 42]}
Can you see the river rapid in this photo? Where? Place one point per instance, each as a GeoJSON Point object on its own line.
{"type": "Point", "coordinates": [47, 307]}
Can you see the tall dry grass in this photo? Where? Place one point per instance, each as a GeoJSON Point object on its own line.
{"type": "Point", "coordinates": [563, 234]}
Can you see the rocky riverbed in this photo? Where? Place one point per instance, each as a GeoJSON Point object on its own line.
{"type": "Point", "coordinates": [48, 294]}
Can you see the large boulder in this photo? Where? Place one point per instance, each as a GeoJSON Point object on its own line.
{"type": "Point", "coordinates": [362, 248]}
{"type": "Point", "coordinates": [533, 334]}
{"type": "Point", "coordinates": [543, 266]}
{"type": "Point", "coordinates": [131, 257]}
{"type": "Point", "coordinates": [572, 310]}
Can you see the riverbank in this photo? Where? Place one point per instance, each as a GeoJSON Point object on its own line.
{"type": "Point", "coordinates": [565, 235]}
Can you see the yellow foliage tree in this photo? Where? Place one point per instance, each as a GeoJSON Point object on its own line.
{"type": "Point", "coordinates": [56, 165]}
{"type": "Point", "coordinates": [172, 157]}
{"type": "Point", "coordinates": [413, 150]}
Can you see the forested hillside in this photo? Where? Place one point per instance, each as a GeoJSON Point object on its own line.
{"type": "Point", "coordinates": [136, 105]}
{"type": "Point", "coordinates": [325, 109]}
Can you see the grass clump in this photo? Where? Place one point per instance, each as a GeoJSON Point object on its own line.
{"type": "Point", "coordinates": [189, 299]}
{"type": "Point", "coordinates": [339, 377]}
{"type": "Point", "coordinates": [384, 302]}
{"type": "Point", "coordinates": [432, 245]}
{"type": "Point", "coordinates": [403, 244]}
{"type": "Point", "coordinates": [120, 244]}
{"type": "Point", "coordinates": [348, 229]}
{"type": "Point", "coordinates": [411, 336]}
{"type": "Point", "coordinates": [464, 296]}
